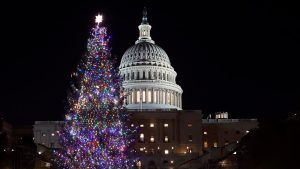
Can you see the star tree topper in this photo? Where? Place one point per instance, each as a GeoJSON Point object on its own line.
{"type": "Point", "coordinates": [99, 19]}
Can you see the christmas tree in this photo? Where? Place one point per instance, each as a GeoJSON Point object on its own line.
{"type": "Point", "coordinates": [96, 134]}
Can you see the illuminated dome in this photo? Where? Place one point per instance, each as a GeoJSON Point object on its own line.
{"type": "Point", "coordinates": [145, 53]}
{"type": "Point", "coordinates": [149, 79]}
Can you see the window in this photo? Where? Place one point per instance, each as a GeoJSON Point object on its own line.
{"type": "Point", "coordinates": [166, 151]}
{"type": "Point", "coordinates": [166, 139]}
{"type": "Point", "coordinates": [52, 134]}
{"type": "Point", "coordinates": [205, 133]}
{"type": "Point", "coordinates": [142, 149]}
{"type": "Point", "coordinates": [142, 137]}
{"type": "Point", "coordinates": [189, 125]}
{"type": "Point", "coordinates": [237, 132]}
{"type": "Point", "coordinates": [172, 161]}
{"type": "Point", "coordinates": [48, 165]}
{"type": "Point", "coordinates": [165, 161]}
{"type": "Point", "coordinates": [139, 164]}
{"type": "Point", "coordinates": [51, 145]}
{"type": "Point", "coordinates": [142, 125]}
{"type": "Point", "coordinates": [44, 134]}
{"type": "Point", "coordinates": [144, 33]}
{"type": "Point", "coordinates": [168, 98]}
{"type": "Point", "coordinates": [215, 144]}
{"type": "Point", "coordinates": [149, 96]}
{"type": "Point", "coordinates": [152, 139]}
{"type": "Point", "coordinates": [144, 73]}
{"type": "Point", "coordinates": [138, 96]}
{"type": "Point", "coordinates": [151, 124]}
{"type": "Point", "coordinates": [154, 96]}
{"type": "Point", "coordinates": [205, 144]}
{"type": "Point", "coordinates": [166, 125]}
{"type": "Point", "coordinates": [190, 138]}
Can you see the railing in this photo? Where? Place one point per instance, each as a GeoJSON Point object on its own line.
{"type": "Point", "coordinates": [227, 120]}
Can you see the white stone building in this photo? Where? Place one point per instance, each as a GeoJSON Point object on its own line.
{"type": "Point", "coordinates": [149, 78]}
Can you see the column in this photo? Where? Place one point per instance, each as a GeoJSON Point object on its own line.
{"type": "Point", "coordinates": [172, 99]}
{"type": "Point", "coordinates": [180, 102]}
{"type": "Point", "coordinates": [177, 100]}
{"type": "Point", "coordinates": [128, 98]}
{"type": "Point", "coordinates": [146, 74]}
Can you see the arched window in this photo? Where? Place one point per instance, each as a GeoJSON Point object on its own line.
{"type": "Point", "coordinates": [132, 75]}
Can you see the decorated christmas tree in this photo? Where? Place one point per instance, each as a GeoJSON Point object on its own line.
{"type": "Point", "coordinates": [96, 134]}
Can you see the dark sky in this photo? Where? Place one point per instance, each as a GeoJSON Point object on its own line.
{"type": "Point", "coordinates": [235, 56]}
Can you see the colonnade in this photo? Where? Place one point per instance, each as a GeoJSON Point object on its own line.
{"type": "Point", "coordinates": [149, 75]}
{"type": "Point", "coordinates": [155, 96]}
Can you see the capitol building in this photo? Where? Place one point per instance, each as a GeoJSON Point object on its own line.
{"type": "Point", "coordinates": [149, 78]}
{"type": "Point", "coordinates": [168, 137]}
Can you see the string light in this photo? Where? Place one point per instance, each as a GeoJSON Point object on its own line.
{"type": "Point", "coordinates": [97, 133]}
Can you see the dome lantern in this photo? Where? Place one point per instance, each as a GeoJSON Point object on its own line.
{"type": "Point", "coordinates": [144, 28]}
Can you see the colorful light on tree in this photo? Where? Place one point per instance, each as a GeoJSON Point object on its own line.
{"type": "Point", "coordinates": [96, 133]}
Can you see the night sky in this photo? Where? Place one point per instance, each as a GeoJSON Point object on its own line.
{"type": "Point", "coordinates": [234, 56]}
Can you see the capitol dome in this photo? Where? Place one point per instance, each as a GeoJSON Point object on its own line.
{"type": "Point", "coordinates": [145, 53]}
{"type": "Point", "coordinates": [149, 80]}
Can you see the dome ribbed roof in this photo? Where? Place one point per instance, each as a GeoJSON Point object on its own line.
{"type": "Point", "coordinates": [145, 53]}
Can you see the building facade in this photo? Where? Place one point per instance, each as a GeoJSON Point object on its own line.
{"type": "Point", "coordinates": [168, 138]}
{"type": "Point", "coordinates": [220, 132]}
